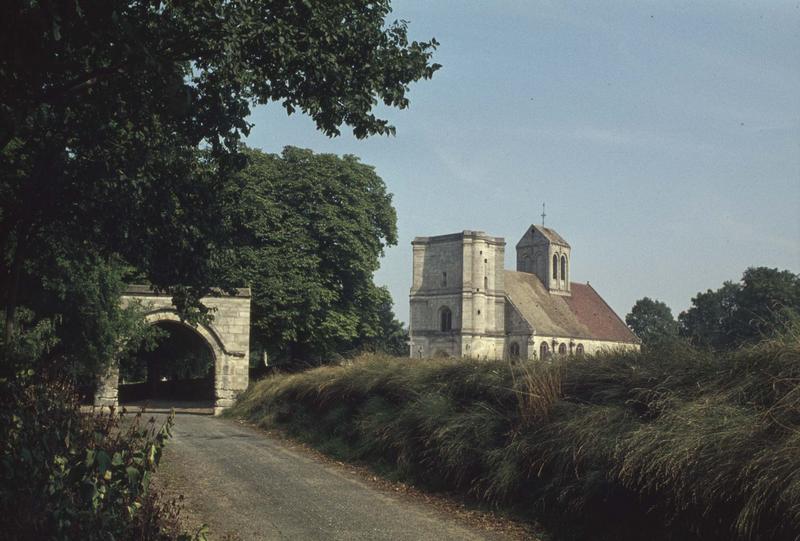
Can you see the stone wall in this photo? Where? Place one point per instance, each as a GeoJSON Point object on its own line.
{"type": "Point", "coordinates": [228, 336]}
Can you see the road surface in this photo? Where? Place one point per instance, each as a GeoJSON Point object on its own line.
{"type": "Point", "coordinates": [246, 484]}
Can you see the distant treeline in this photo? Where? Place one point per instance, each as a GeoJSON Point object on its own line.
{"type": "Point", "coordinates": [763, 302]}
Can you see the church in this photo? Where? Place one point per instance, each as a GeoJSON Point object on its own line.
{"type": "Point", "coordinates": [464, 303]}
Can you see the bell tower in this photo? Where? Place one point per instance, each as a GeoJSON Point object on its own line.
{"type": "Point", "coordinates": [543, 252]}
{"type": "Point", "coordinates": [457, 296]}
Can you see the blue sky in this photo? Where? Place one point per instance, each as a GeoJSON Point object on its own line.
{"type": "Point", "coordinates": [663, 136]}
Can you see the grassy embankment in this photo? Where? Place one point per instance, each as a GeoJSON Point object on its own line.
{"type": "Point", "coordinates": [674, 444]}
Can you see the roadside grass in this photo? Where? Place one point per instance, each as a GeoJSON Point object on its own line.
{"type": "Point", "coordinates": [672, 444]}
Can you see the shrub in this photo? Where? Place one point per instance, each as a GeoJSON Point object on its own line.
{"type": "Point", "coordinates": [67, 475]}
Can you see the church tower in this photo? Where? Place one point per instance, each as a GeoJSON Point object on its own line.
{"type": "Point", "coordinates": [542, 251]}
{"type": "Point", "coordinates": [458, 296]}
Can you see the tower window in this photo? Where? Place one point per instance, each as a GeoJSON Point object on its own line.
{"type": "Point", "coordinates": [445, 319]}
{"type": "Point", "coordinates": [555, 266]}
{"type": "Point", "coordinates": [563, 267]}
{"type": "Point", "coordinates": [444, 279]}
{"type": "Point", "coordinates": [485, 283]}
{"type": "Point", "coordinates": [513, 350]}
{"type": "Point", "coordinates": [544, 351]}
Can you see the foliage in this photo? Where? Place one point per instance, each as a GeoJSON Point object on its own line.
{"type": "Point", "coordinates": [652, 321]}
{"type": "Point", "coordinates": [67, 475]}
{"type": "Point", "coordinates": [391, 337]}
{"type": "Point", "coordinates": [310, 229]}
{"type": "Point", "coordinates": [764, 301]}
{"type": "Point", "coordinates": [85, 324]}
{"type": "Point", "coordinates": [663, 444]}
{"type": "Point", "coordinates": [104, 105]}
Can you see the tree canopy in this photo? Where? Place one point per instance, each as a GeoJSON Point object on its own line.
{"type": "Point", "coordinates": [652, 321]}
{"type": "Point", "coordinates": [765, 300]}
{"type": "Point", "coordinates": [105, 104]}
{"type": "Point", "coordinates": [309, 232]}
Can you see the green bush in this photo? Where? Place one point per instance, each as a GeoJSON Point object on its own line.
{"type": "Point", "coordinates": [68, 475]}
{"type": "Point", "coordinates": [667, 444]}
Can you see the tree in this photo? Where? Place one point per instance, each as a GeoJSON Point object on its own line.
{"type": "Point", "coordinates": [310, 229]}
{"type": "Point", "coordinates": [763, 302]}
{"type": "Point", "coordinates": [708, 322]}
{"type": "Point", "coordinates": [104, 105]}
{"type": "Point", "coordinates": [767, 300]}
{"type": "Point", "coordinates": [652, 321]}
{"type": "Point", "coordinates": [390, 336]}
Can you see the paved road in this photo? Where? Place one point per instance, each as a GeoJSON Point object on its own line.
{"type": "Point", "coordinates": [240, 481]}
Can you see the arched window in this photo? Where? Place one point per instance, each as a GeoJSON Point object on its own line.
{"type": "Point", "coordinates": [555, 266]}
{"type": "Point", "coordinates": [562, 349]}
{"type": "Point", "coordinates": [444, 279]}
{"type": "Point", "coordinates": [563, 267]}
{"type": "Point", "coordinates": [544, 351]}
{"type": "Point", "coordinates": [579, 350]}
{"type": "Point", "coordinates": [445, 319]}
{"type": "Point", "coordinates": [513, 350]}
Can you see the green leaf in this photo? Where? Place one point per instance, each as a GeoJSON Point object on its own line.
{"type": "Point", "coordinates": [103, 461]}
{"type": "Point", "coordinates": [133, 475]}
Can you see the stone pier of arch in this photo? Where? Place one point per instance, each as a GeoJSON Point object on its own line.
{"type": "Point", "coordinates": [228, 337]}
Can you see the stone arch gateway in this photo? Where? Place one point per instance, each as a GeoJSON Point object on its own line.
{"type": "Point", "coordinates": [227, 336]}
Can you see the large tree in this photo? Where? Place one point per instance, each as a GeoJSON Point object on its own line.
{"type": "Point", "coordinates": [764, 301]}
{"type": "Point", "coordinates": [652, 321]}
{"type": "Point", "coordinates": [310, 229]}
{"type": "Point", "coordinates": [104, 104]}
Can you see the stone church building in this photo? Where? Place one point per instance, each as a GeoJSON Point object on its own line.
{"type": "Point", "coordinates": [464, 303]}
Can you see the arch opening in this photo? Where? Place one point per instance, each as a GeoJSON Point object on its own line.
{"type": "Point", "coordinates": [544, 351]}
{"type": "Point", "coordinates": [445, 319]}
{"type": "Point", "coordinates": [178, 365]}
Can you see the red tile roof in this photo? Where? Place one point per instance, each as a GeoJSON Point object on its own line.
{"type": "Point", "coordinates": [591, 310]}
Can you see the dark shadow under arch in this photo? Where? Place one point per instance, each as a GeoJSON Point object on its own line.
{"type": "Point", "coordinates": [181, 366]}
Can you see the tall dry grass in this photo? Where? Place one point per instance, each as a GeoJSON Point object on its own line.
{"type": "Point", "coordinates": [664, 445]}
{"type": "Point", "coordinates": [538, 387]}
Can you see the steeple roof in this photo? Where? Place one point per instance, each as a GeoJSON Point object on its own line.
{"type": "Point", "coordinates": [546, 232]}
{"type": "Point", "coordinates": [551, 235]}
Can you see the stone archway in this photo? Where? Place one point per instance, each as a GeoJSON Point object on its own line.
{"type": "Point", "coordinates": [228, 337]}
